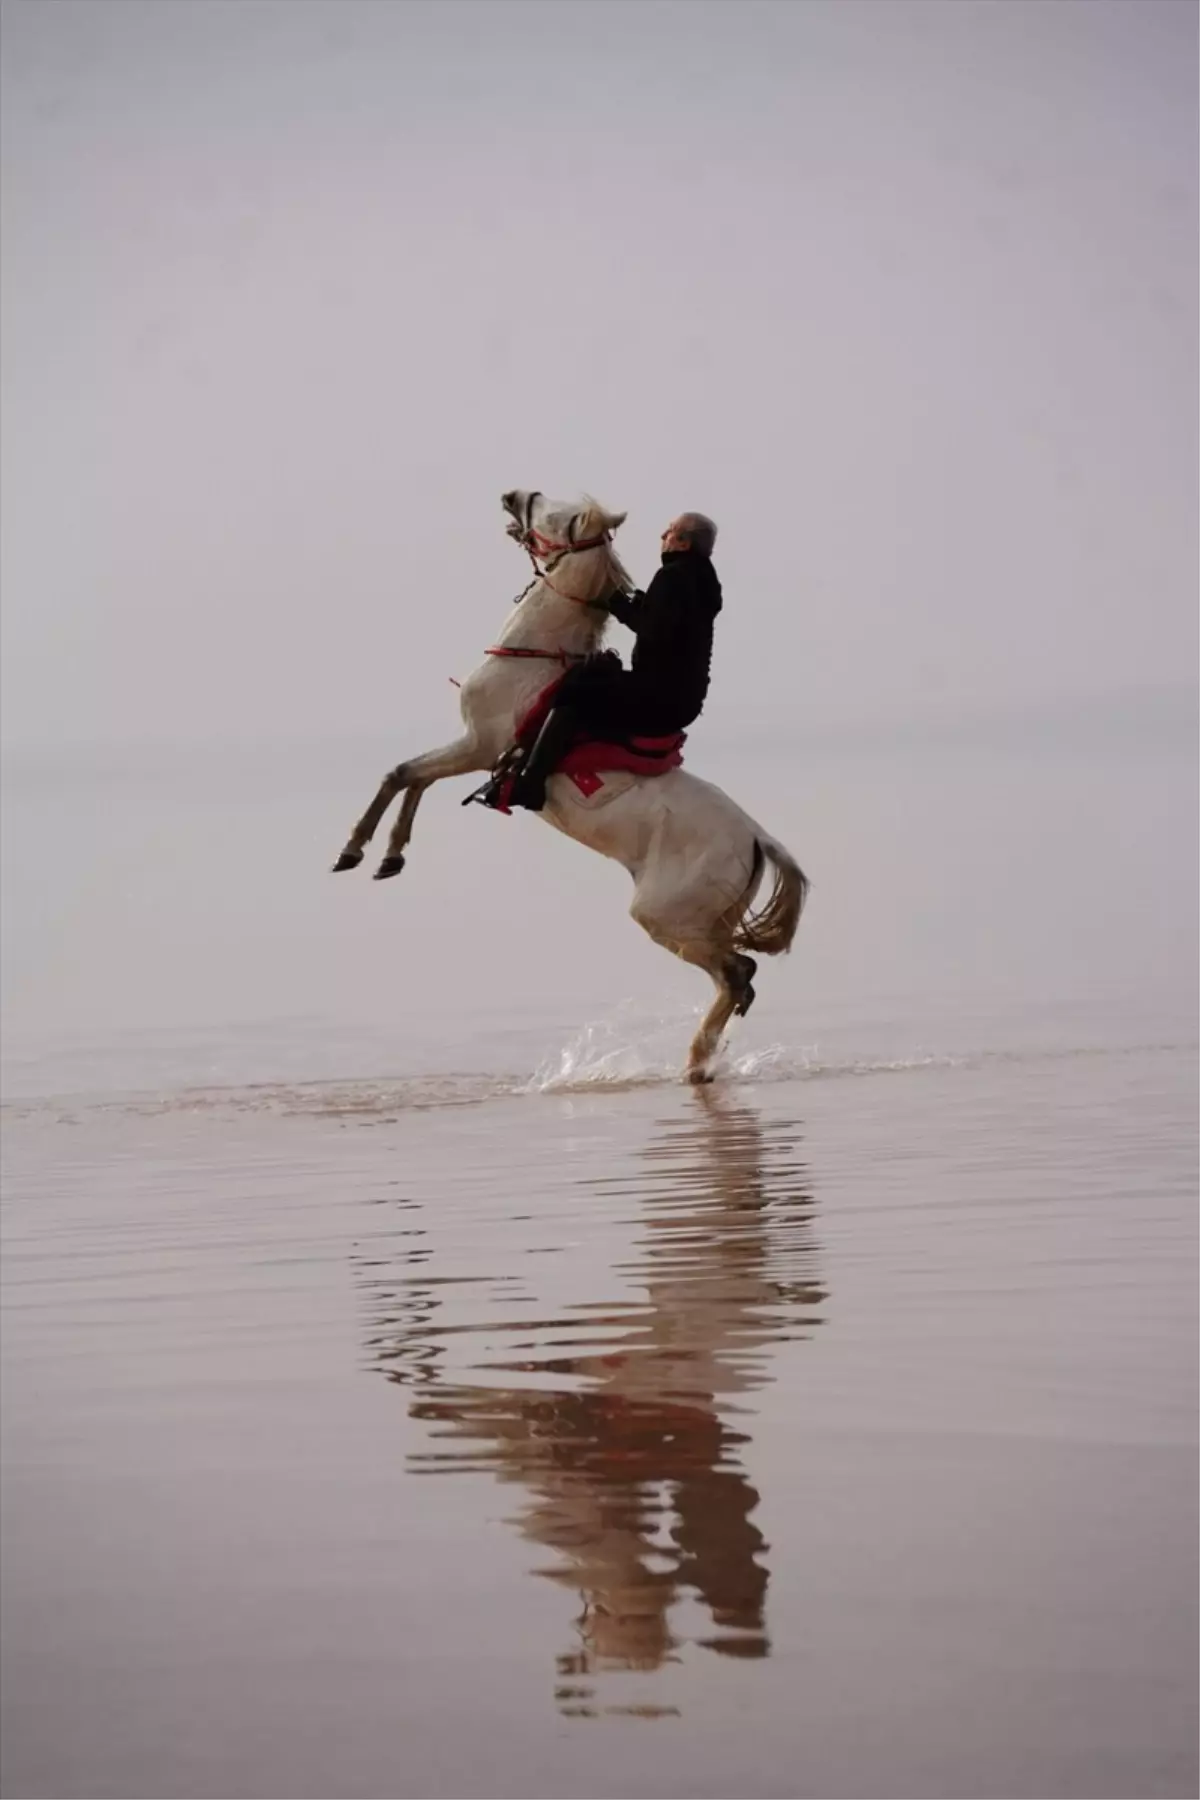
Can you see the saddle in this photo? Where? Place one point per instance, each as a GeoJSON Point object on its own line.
{"type": "Point", "coordinates": [585, 762]}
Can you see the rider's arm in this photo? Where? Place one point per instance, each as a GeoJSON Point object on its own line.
{"type": "Point", "coordinates": [630, 609]}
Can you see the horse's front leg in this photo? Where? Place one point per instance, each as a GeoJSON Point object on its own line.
{"type": "Point", "coordinates": [392, 784]}
{"type": "Point", "coordinates": [411, 778]}
{"type": "Point", "coordinates": [438, 765]}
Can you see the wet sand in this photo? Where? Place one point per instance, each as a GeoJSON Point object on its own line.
{"type": "Point", "coordinates": [810, 1436]}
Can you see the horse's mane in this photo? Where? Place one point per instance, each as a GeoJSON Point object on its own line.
{"type": "Point", "coordinates": [599, 518]}
{"type": "Point", "coordinates": [623, 579]}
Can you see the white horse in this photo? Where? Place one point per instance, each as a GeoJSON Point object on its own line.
{"type": "Point", "coordinates": [695, 857]}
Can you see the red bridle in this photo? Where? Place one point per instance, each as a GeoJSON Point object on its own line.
{"type": "Point", "coordinates": [533, 540]}
{"type": "Point", "coordinates": [536, 544]}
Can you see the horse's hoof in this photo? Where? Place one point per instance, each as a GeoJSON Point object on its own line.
{"type": "Point", "coordinates": [700, 1077]}
{"type": "Point", "coordinates": [742, 980]}
{"type": "Point", "coordinates": [748, 997]}
{"type": "Point", "coordinates": [349, 859]}
{"type": "Point", "coordinates": [391, 865]}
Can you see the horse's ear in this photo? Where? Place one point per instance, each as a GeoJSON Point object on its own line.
{"type": "Point", "coordinates": [614, 521]}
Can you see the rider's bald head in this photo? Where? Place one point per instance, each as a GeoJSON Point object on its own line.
{"type": "Point", "coordinates": [691, 531]}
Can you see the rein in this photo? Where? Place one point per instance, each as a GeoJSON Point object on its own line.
{"type": "Point", "coordinates": [565, 657]}
{"type": "Point", "coordinates": [536, 545]}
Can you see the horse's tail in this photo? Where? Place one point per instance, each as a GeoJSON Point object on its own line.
{"type": "Point", "coordinates": [770, 930]}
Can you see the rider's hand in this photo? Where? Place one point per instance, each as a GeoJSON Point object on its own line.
{"type": "Point", "coordinates": [601, 659]}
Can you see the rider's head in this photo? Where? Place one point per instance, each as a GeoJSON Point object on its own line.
{"type": "Point", "coordinates": [690, 531]}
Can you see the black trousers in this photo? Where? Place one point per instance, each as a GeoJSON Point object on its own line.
{"type": "Point", "coordinates": [611, 705]}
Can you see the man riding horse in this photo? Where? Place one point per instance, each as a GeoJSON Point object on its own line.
{"type": "Point", "coordinates": [696, 859]}
{"type": "Point", "coordinates": [664, 688]}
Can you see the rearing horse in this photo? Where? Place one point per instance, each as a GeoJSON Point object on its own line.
{"type": "Point", "coordinates": [695, 857]}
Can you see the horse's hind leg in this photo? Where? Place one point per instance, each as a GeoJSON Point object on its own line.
{"type": "Point", "coordinates": [707, 1041]}
{"type": "Point", "coordinates": [731, 974]}
{"type": "Point", "coordinates": [741, 972]}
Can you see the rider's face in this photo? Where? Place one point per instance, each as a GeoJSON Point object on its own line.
{"type": "Point", "coordinates": [673, 538]}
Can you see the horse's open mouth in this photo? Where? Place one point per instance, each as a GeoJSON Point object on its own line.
{"type": "Point", "coordinates": [519, 508]}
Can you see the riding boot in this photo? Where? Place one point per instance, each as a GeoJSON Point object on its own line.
{"type": "Point", "coordinates": [549, 747]}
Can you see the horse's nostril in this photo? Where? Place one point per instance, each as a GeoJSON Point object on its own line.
{"type": "Point", "coordinates": [507, 499]}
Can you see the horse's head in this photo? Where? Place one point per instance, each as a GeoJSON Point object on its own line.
{"type": "Point", "coordinates": [555, 528]}
{"type": "Point", "coordinates": [553, 531]}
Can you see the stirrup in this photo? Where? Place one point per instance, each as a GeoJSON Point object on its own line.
{"type": "Point", "coordinates": [490, 793]}
{"type": "Point", "coordinates": [498, 786]}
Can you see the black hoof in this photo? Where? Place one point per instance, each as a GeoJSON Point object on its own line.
{"type": "Point", "coordinates": [391, 865]}
{"type": "Point", "coordinates": [742, 982]}
{"type": "Point", "coordinates": [349, 859]}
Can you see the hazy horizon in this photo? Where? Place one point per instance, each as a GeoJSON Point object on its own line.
{"type": "Point", "coordinates": [903, 294]}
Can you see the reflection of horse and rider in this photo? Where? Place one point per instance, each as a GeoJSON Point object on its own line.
{"type": "Point", "coordinates": [634, 1477]}
{"type": "Point", "coordinates": [545, 695]}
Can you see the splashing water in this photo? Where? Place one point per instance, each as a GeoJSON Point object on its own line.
{"type": "Point", "coordinates": [630, 1049]}
{"type": "Point", "coordinates": [622, 1050]}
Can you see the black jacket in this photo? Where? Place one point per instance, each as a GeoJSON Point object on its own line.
{"type": "Point", "coordinates": [673, 621]}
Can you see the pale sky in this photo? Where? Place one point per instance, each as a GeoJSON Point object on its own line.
{"type": "Point", "coordinates": [903, 293]}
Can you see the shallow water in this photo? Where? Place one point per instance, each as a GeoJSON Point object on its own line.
{"type": "Point", "coordinates": [799, 1436]}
